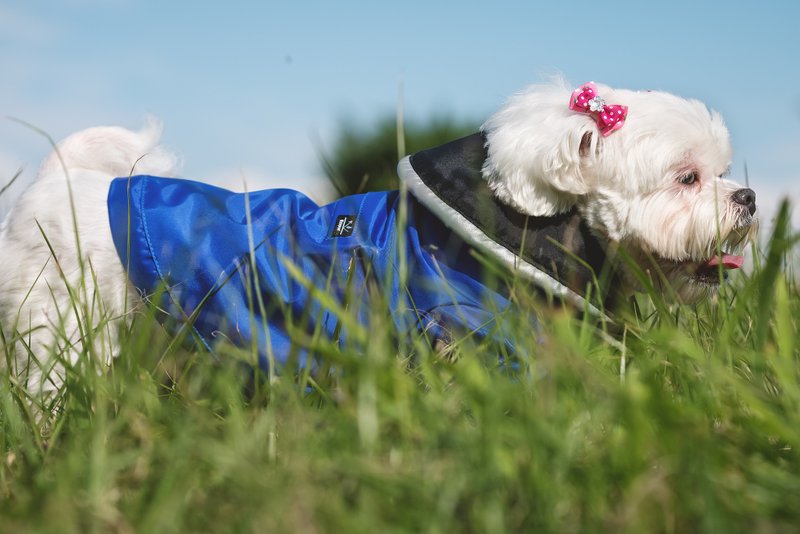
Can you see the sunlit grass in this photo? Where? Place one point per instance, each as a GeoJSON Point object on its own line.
{"type": "Point", "coordinates": [689, 420]}
{"type": "Point", "coordinates": [676, 418]}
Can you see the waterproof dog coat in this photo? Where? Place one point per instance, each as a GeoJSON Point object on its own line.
{"type": "Point", "coordinates": [266, 268]}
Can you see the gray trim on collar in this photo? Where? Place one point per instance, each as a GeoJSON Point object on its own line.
{"type": "Point", "coordinates": [447, 181]}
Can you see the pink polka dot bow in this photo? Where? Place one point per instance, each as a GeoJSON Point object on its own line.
{"type": "Point", "coordinates": [609, 117]}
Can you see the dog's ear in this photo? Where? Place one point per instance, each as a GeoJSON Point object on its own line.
{"type": "Point", "coordinates": [538, 150]}
{"type": "Point", "coordinates": [586, 148]}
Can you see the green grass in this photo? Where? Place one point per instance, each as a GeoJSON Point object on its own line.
{"type": "Point", "coordinates": [690, 423]}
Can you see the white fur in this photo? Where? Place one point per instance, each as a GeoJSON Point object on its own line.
{"type": "Point", "coordinates": [51, 304]}
{"type": "Point", "coordinates": [542, 158]}
{"type": "Point", "coordinates": [626, 184]}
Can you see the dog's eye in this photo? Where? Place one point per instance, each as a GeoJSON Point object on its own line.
{"type": "Point", "coordinates": [688, 179]}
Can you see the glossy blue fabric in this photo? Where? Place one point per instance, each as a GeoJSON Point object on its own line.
{"type": "Point", "coordinates": [192, 239]}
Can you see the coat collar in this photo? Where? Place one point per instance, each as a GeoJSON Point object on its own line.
{"type": "Point", "coordinates": [559, 254]}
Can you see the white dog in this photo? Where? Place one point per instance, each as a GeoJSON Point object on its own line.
{"type": "Point", "coordinates": [654, 186]}
{"type": "Point", "coordinates": [640, 171]}
{"type": "Point", "coordinates": [57, 251]}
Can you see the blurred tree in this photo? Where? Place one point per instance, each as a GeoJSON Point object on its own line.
{"type": "Point", "coordinates": [365, 159]}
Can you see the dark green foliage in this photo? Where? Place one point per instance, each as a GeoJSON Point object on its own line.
{"type": "Point", "coordinates": [365, 159]}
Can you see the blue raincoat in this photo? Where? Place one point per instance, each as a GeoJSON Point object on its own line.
{"type": "Point", "coordinates": [270, 268]}
{"type": "Point", "coordinates": [291, 263]}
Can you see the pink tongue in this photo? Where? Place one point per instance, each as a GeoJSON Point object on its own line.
{"type": "Point", "coordinates": [728, 261]}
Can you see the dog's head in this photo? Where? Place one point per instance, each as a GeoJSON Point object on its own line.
{"type": "Point", "coordinates": [645, 169]}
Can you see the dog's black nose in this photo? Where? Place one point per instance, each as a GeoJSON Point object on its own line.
{"type": "Point", "coordinates": [747, 198]}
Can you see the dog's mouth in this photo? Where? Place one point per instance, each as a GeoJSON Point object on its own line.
{"type": "Point", "coordinates": [708, 272]}
{"type": "Point", "coordinates": [714, 270]}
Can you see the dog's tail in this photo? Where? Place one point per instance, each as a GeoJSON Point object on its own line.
{"type": "Point", "coordinates": [114, 151]}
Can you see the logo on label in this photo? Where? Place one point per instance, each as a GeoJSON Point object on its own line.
{"type": "Point", "coordinates": [345, 224]}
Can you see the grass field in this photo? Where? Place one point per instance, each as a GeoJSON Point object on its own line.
{"type": "Point", "coordinates": [689, 422]}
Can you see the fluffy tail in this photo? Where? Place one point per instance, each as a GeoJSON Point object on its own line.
{"type": "Point", "coordinates": [113, 150]}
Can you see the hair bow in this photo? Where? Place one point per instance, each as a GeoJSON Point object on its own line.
{"type": "Point", "coordinates": [609, 117]}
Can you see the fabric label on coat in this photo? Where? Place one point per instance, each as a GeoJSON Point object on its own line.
{"type": "Point", "coordinates": [344, 226]}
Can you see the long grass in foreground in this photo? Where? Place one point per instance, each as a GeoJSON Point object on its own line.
{"type": "Point", "coordinates": [691, 423]}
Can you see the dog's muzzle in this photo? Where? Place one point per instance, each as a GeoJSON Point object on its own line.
{"type": "Point", "coordinates": [745, 197]}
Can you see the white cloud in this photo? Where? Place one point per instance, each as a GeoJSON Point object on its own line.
{"type": "Point", "coordinates": [251, 179]}
{"type": "Point", "coordinates": [770, 195]}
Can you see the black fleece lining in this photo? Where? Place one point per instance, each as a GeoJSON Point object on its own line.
{"type": "Point", "coordinates": [551, 244]}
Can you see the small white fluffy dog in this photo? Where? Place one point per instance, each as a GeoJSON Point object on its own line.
{"type": "Point", "coordinates": [57, 251]}
{"type": "Point", "coordinates": [652, 184]}
{"type": "Point", "coordinates": [655, 186]}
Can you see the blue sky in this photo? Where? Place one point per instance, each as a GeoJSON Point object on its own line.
{"type": "Point", "coordinates": [250, 89]}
